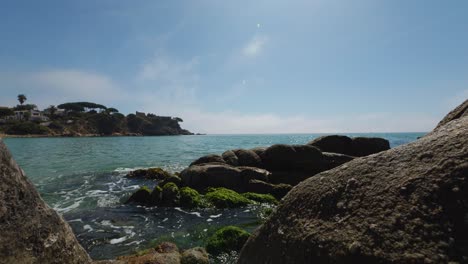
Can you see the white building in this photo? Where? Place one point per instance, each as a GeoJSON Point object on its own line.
{"type": "Point", "coordinates": [31, 115]}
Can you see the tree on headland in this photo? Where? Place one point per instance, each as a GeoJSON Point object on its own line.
{"type": "Point", "coordinates": [4, 111]}
{"type": "Point", "coordinates": [111, 110]}
{"type": "Point", "coordinates": [25, 107]}
{"type": "Point", "coordinates": [52, 110]}
{"type": "Point", "coordinates": [22, 98]}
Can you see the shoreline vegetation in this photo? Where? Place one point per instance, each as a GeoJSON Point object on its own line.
{"type": "Point", "coordinates": [83, 119]}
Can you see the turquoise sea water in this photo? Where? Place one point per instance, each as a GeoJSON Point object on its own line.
{"type": "Point", "coordinates": [82, 178]}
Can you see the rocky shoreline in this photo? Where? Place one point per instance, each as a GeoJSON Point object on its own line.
{"type": "Point", "coordinates": [342, 200]}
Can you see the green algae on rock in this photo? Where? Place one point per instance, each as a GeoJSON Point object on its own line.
{"type": "Point", "coordinates": [226, 198]}
{"type": "Point", "coordinates": [226, 239]}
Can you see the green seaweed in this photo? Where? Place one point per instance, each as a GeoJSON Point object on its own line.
{"type": "Point", "coordinates": [226, 239]}
{"type": "Point", "coordinates": [225, 198]}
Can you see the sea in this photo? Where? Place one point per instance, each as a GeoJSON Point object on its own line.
{"type": "Point", "coordinates": [84, 180]}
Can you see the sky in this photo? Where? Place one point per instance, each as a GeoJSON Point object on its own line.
{"type": "Point", "coordinates": [265, 66]}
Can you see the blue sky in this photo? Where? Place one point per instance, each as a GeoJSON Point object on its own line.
{"type": "Point", "coordinates": [243, 66]}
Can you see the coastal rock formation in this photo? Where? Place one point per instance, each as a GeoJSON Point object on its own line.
{"type": "Point", "coordinates": [405, 205]}
{"type": "Point", "coordinates": [30, 231]}
{"type": "Point", "coordinates": [357, 146]}
{"type": "Point", "coordinates": [278, 164]}
{"type": "Point", "coordinates": [208, 159]}
{"type": "Point", "coordinates": [203, 176]}
{"type": "Point", "coordinates": [458, 112]}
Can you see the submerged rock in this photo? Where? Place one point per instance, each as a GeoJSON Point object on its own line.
{"type": "Point", "coordinates": [30, 231]}
{"type": "Point", "coordinates": [405, 205]}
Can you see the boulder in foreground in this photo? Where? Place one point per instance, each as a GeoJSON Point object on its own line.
{"type": "Point", "coordinates": [30, 231]}
{"type": "Point", "coordinates": [405, 205]}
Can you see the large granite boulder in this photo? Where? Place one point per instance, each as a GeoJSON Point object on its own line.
{"type": "Point", "coordinates": [405, 205]}
{"type": "Point", "coordinates": [364, 146]}
{"type": "Point", "coordinates": [212, 158]}
{"type": "Point", "coordinates": [30, 231]}
{"type": "Point", "coordinates": [203, 176]}
{"type": "Point", "coordinates": [292, 158]}
{"type": "Point", "coordinates": [358, 146]}
{"type": "Point", "coordinates": [458, 112]}
{"type": "Point", "coordinates": [242, 157]}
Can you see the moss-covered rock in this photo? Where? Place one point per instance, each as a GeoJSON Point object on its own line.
{"type": "Point", "coordinates": [190, 198]}
{"type": "Point", "coordinates": [142, 196]}
{"type": "Point", "coordinates": [156, 196]}
{"type": "Point", "coordinates": [151, 173]}
{"type": "Point", "coordinates": [172, 178]}
{"type": "Point", "coordinates": [225, 198]}
{"type": "Point", "coordinates": [226, 239]}
{"type": "Point", "coordinates": [170, 194]}
{"type": "Point", "coordinates": [261, 198]}
{"type": "Point", "coordinates": [196, 255]}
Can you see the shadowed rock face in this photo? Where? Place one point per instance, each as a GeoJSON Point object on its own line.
{"type": "Point", "coordinates": [405, 205]}
{"type": "Point", "coordinates": [30, 231]}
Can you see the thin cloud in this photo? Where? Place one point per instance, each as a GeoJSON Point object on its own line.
{"type": "Point", "coordinates": [255, 46]}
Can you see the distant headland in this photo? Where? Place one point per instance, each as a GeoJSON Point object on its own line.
{"type": "Point", "coordinates": [76, 119]}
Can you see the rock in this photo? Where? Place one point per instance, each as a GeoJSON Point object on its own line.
{"type": "Point", "coordinates": [190, 198]}
{"type": "Point", "coordinates": [226, 239]}
{"type": "Point", "coordinates": [358, 146]}
{"type": "Point", "coordinates": [458, 112]}
{"type": "Point", "coordinates": [242, 157]}
{"type": "Point", "coordinates": [333, 143]}
{"type": "Point", "coordinates": [292, 177]}
{"type": "Point", "coordinates": [173, 178]}
{"type": "Point", "coordinates": [332, 160]}
{"type": "Point", "coordinates": [196, 255]}
{"type": "Point", "coordinates": [156, 196]}
{"type": "Point", "coordinates": [252, 173]}
{"type": "Point", "coordinates": [248, 158]}
{"type": "Point", "coordinates": [209, 159]}
{"type": "Point", "coordinates": [292, 158]}
{"type": "Point", "coordinates": [170, 194]}
{"type": "Point", "coordinates": [259, 150]}
{"type": "Point", "coordinates": [364, 146]}
{"type": "Point", "coordinates": [225, 198]}
{"type": "Point", "coordinates": [230, 157]}
{"type": "Point", "coordinates": [397, 206]}
{"type": "Point", "coordinates": [277, 190]}
{"type": "Point", "coordinates": [142, 196]}
{"type": "Point", "coordinates": [261, 198]}
{"type": "Point", "coordinates": [200, 177]}
{"type": "Point", "coordinates": [164, 253]}
{"type": "Point", "coordinates": [151, 173]}
{"type": "Point", "coordinates": [31, 232]}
